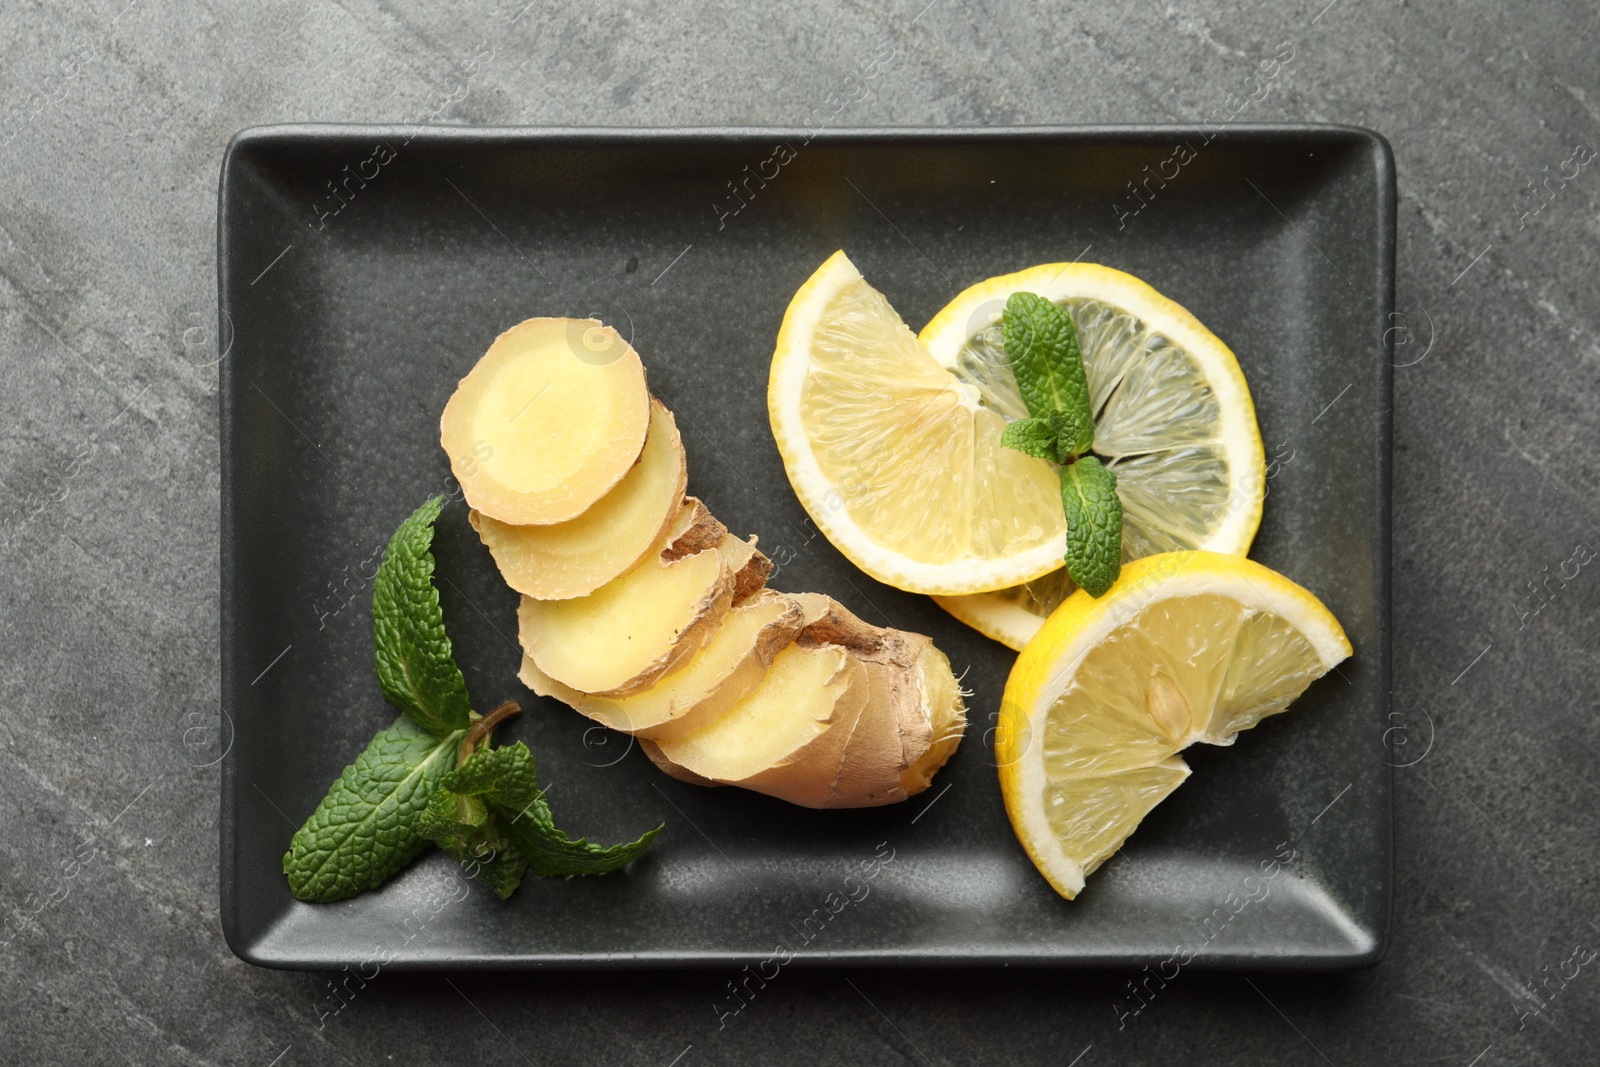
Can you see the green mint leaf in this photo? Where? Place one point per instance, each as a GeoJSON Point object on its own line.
{"type": "Point", "coordinates": [551, 854]}
{"type": "Point", "coordinates": [464, 827]}
{"type": "Point", "coordinates": [415, 667]}
{"type": "Point", "coordinates": [364, 829]}
{"type": "Point", "coordinates": [1034, 437]}
{"type": "Point", "coordinates": [507, 781]}
{"type": "Point", "coordinates": [501, 870]}
{"type": "Point", "coordinates": [1041, 345]}
{"type": "Point", "coordinates": [1074, 431]}
{"type": "Point", "coordinates": [1094, 524]}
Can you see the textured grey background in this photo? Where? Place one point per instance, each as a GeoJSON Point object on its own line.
{"type": "Point", "coordinates": [112, 122]}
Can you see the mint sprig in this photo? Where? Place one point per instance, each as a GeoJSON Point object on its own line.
{"type": "Point", "coordinates": [1057, 437]}
{"type": "Point", "coordinates": [432, 777]}
{"type": "Point", "coordinates": [1041, 344]}
{"type": "Point", "coordinates": [497, 790]}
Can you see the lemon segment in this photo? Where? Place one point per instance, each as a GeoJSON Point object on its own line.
{"type": "Point", "coordinates": [1186, 647]}
{"type": "Point", "coordinates": [1173, 419]}
{"type": "Point", "coordinates": [898, 460]}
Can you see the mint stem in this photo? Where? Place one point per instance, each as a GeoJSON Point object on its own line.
{"type": "Point", "coordinates": [481, 729]}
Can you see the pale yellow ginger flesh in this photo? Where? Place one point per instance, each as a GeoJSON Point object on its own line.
{"type": "Point", "coordinates": [788, 735]}
{"type": "Point", "coordinates": [548, 421]}
{"type": "Point", "coordinates": [652, 750]}
{"type": "Point", "coordinates": [879, 744]}
{"type": "Point", "coordinates": [623, 636]}
{"type": "Point", "coordinates": [731, 664]}
{"type": "Point", "coordinates": [876, 748]}
{"type": "Point", "coordinates": [576, 557]}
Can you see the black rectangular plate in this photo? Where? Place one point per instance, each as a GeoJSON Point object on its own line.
{"type": "Point", "coordinates": [363, 270]}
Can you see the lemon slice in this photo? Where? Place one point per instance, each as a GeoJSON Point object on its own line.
{"type": "Point", "coordinates": [1186, 647]}
{"type": "Point", "coordinates": [1173, 419]}
{"type": "Point", "coordinates": [897, 459]}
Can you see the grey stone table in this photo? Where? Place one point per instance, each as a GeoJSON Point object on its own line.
{"type": "Point", "coordinates": [113, 117]}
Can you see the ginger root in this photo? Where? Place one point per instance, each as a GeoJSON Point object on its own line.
{"type": "Point", "coordinates": [642, 612]}
{"type": "Point", "coordinates": [731, 664]}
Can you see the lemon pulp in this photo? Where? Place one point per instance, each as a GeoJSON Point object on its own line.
{"type": "Point", "coordinates": [898, 460]}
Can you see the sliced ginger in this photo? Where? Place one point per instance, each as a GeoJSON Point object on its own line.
{"type": "Point", "coordinates": [730, 665]}
{"type": "Point", "coordinates": [652, 750]}
{"type": "Point", "coordinates": [832, 754]}
{"type": "Point", "coordinates": [547, 422]}
{"type": "Point", "coordinates": [693, 529]}
{"type": "Point", "coordinates": [644, 613]}
{"type": "Point", "coordinates": [620, 638]}
{"type": "Point", "coordinates": [788, 735]}
{"type": "Point", "coordinates": [750, 568]}
{"type": "Point", "coordinates": [576, 557]}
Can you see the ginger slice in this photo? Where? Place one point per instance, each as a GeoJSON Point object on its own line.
{"type": "Point", "coordinates": [547, 422]}
{"type": "Point", "coordinates": [786, 737]}
{"type": "Point", "coordinates": [730, 665]}
{"type": "Point", "coordinates": [750, 567]}
{"type": "Point", "coordinates": [652, 751]}
{"type": "Point", "coordinates": [576, 557]}
{"type": "Point", "coordinates": [815, 605]}
{"type": "Point", "coordinates": [620, 638]}
{"type": "Point", "coordinates": [694, 529]}
{"type": "Point", "coordinates": [907, 726]}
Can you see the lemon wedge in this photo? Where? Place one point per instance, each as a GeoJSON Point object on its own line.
{"type": "Point", "coordinates": [1186, 647]}
{"type": "Point", "coordinates": [898, 459]}
{"type": "Point", "coordinates": [1173, 419]}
